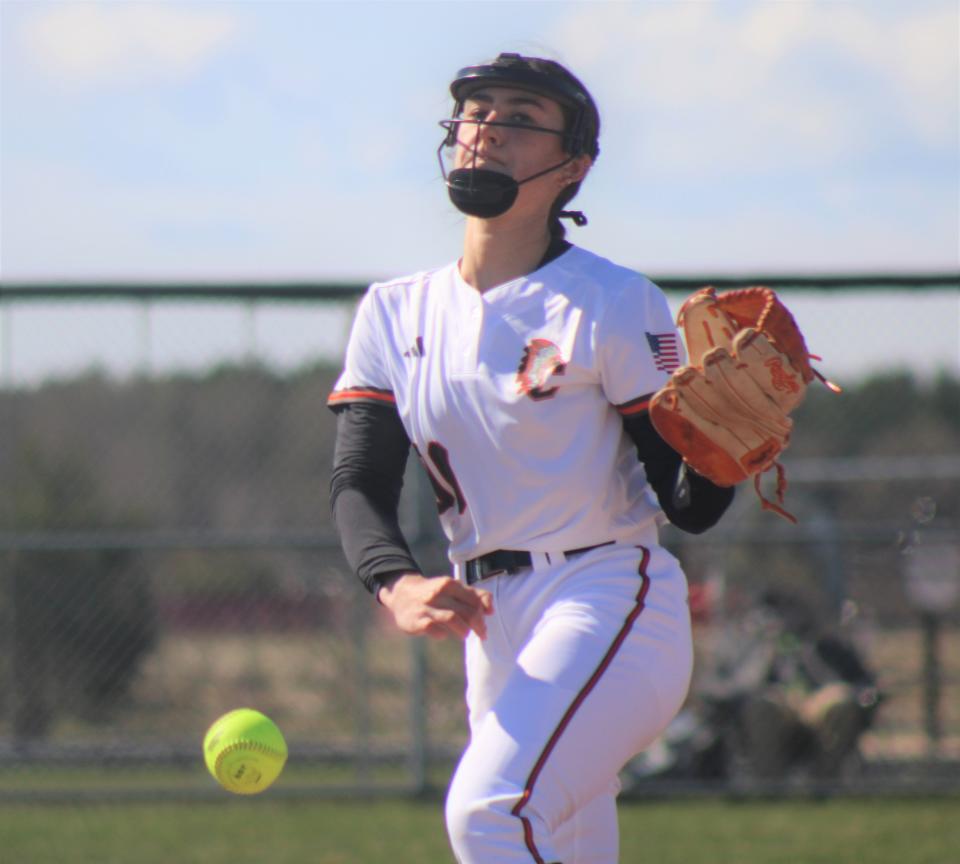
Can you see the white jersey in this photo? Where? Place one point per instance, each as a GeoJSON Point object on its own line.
{"type": "Point", "coordinates": [513, 397]}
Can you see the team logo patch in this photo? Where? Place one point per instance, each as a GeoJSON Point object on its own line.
{"type": "Point", "coordinates": [541, 361]}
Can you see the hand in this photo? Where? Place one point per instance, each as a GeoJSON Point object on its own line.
{"type": "Point", "coordinates": [437, 607]}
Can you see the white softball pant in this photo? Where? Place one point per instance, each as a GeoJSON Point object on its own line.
{"type": "Point", "coordinates": [584, 665]}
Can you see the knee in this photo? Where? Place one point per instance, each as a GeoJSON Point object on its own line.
{"type": "Point", "coordinates": [472, 821]}
{"type": "Point", "coordinates": [456, 814]}
{"type": "Point", "coordinates": [482, 826]}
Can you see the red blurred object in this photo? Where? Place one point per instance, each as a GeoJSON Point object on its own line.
{"type": "Point", "coordinates": [703, 600]}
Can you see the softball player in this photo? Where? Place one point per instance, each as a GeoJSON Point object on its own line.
{"type": "Point", "coordinates": [521, 375]}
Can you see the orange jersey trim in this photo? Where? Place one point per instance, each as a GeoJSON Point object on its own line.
{"type": "Point", "coordinates": [635, 406]}
{"type": "Point", "coordinates": [361, 394]}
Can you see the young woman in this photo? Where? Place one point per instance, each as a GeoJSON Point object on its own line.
{"type": "Point", "coordinates": [521, 374]}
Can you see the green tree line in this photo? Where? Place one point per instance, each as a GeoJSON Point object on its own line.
{"type": "Point", "coordinates": [241, 448]}
{"type": "Point", "coordinates": [244, 450]}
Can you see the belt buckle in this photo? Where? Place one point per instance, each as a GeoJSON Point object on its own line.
{"type": "Point", "coordinates": [472, 572]}
{"type": "Point", "coordinates": [476, 573]}
{"type": "Point", "coordinates": [482, 573]}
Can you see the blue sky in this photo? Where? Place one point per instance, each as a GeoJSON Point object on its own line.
{"type": "Point", "coordinates": [253, 140]}
{"type": "Point", "coordinates": [296, 140]}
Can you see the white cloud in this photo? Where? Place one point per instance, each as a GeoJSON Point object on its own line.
{"type": "Point", "coordinates": [709, 86]}
{"type": "Point", "coordinates": [915, 53]}
{"type": "Point", "coordinates": [86, 43]}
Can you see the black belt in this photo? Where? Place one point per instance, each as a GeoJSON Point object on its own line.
{"type": "Point", "coordinates": [509, 561]}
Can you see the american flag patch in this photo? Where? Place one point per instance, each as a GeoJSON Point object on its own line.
{"type": "Point", "coordinates": [665, 349]}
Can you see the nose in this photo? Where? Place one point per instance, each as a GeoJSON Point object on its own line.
{"type": "Point", "coordinates": [479, 132]}
{"type": "Point", "coordinates": [491, 134]}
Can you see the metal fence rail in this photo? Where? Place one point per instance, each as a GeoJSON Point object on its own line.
{"type": "Point", "coordinates": [282, 291]}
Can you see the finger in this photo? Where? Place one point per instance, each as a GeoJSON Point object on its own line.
{"type": "Point", "coordinates": [486, 600]}
{"type": "Point", "coordinates": [455, 608]}
{"type": "Point", "coordinates": [447, 621]}
{"type": "Point", "coordinates": [478, 624]}
{"type": "Point", "coordinates": [458, 591]}
{"type": "Point", "coordinates": [427, 625]}
{"type": "Point", "coordinates": [474, 612]}
{"type": "Point", "coordinates": [478, 621]}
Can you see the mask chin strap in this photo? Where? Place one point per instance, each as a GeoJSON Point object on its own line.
{"type": "Point", "coordinates": [484, 193]}
{"type": "Point", "coordinates": [576, 216]}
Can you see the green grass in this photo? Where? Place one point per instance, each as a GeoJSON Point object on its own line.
{"type": "Point", "coordinates": [244, 831]}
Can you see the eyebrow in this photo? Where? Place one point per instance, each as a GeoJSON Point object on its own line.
{"type": "Point", "coordinates": [521, 99]}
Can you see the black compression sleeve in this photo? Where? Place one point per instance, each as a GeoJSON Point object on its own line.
{"type": "Point", "coordinates": [690, 502]}
{"type": "Point", "coordinates": [368, 464]}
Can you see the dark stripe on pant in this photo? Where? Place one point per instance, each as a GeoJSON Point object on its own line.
{"type": "Point", "coordinates": [575, 705]}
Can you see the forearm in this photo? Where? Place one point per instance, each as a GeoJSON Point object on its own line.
{"type": "Point", "coordinates": [372, 542]}
{"type": "Point", "coordinates": [369, 460]}
{"type": "Point", "coordinates": [689, 501]}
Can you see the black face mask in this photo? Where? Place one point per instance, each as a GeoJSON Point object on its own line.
{"type": "Point", "coordinates": [480, 191]}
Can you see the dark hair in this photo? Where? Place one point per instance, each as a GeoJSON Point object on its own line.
{"type": "Point", "coordinates": [588, 134]}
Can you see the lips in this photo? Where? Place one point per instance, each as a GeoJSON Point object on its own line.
{"type": "Point", "coordinates": [488, 162]}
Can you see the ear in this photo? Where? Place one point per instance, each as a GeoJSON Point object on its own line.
{"type": "Point", "coordinates": [575, 171]}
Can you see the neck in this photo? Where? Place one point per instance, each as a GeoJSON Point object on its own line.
{"type": "Point", "coordinates": [494, 253]}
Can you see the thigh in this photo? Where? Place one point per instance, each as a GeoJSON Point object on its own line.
{"type": "Point", "coordinates": [604, 665]}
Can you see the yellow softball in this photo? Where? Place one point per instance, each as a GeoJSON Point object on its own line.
{"type": "Point", "coordinates": [244, 751]}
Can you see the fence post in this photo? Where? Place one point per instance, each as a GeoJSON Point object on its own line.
{"type": "Point", "coordinates": [930, 623]}
{"type": "Point", "coordinates": [419, 741]}
{"type": "Point", "coordinates": [932, 587]}
{"type": "Point", "coordinates": [146, 339]}
{"type": "Point", "coordinates": [361, 665]}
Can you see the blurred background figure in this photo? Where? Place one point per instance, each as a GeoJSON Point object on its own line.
{"type": "Point", "coordinates": [807, 693]}
{"type": "Point", "coordinates": [782, 696]}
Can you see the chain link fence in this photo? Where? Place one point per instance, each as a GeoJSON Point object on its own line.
{"type": "Point", "coordinates": [166, 552]}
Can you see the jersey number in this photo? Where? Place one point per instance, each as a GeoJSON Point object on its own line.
{"type": "Point", "coordinates": [445, 487]}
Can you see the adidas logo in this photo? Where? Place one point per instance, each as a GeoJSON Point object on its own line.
{"type": "Point", "coordinates": [415, 350]}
